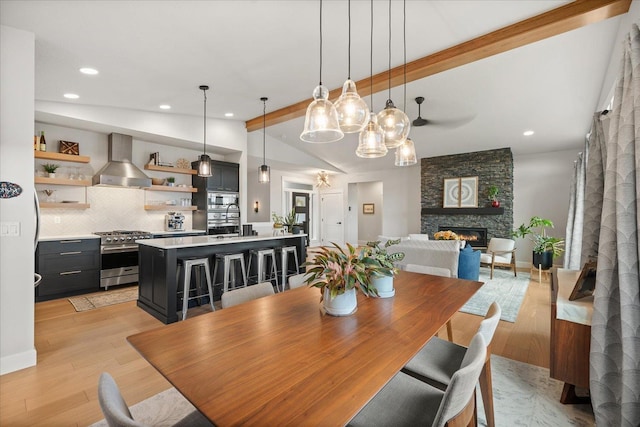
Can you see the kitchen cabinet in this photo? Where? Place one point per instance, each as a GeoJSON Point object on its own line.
{"type": "Point", "coordinates": [225, 177]}
{"type": "Point", "coordinates": [68, 267]}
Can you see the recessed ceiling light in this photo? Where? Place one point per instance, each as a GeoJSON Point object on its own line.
{"type": "Point", "coordinates": [165, 107]}
{"type": "Point", "coordinates": [71, 96]}
{"type": "Point", "coordinates": [228, 114]}
{"type": "Point", "coordinates": [528, 133]}
{"type": "Point", "coordinates": [90, 71]}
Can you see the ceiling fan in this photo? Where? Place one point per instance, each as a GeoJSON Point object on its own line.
{"type": "Point", "coordinates": [449, 123]}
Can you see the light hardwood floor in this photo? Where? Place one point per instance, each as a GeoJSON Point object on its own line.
{"type": "Point", "coordinates": [74, 348]}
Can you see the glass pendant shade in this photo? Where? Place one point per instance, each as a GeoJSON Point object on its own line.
{"type": "Point", "coordinates": [264, 174]}
{"type": "Point", "coordinates": [371, 140]}
{"type": "Point", "coordinates": [204, 167]}
{"type": "Point", "coordinates": [353, 111]}
{"type": "Point", "coordinates": [406, 154]}
{"type": "Point", "coordinates": [321, 120]}
{"type": "Point", "coordinates": [395, 124]}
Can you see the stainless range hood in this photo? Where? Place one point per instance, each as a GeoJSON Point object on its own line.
{"type": "Point", "coordinates": [119, 171]}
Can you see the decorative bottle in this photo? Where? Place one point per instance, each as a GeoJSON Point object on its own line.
{"type": "Point", "coordinates": [43, 142]}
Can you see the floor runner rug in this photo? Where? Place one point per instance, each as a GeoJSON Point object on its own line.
{"type": "Point", "coordinates": [507, 290]}
{"type": "Point", "coordinates": [103, 299]}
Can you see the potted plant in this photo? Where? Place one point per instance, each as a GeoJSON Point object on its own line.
{"type": "Point", "coordinates": [545, 248]}
{"type": "Point", "coordinates": [277, 220]}
{"type": "Point", "coordinates": [339, 273]}
{"type": "Point", "coordinates": [171, 181]}
{"type": "Point", "coordinates": [290, 221]}
{"type": "Point", "coordinates": [492, 194]}
{"type": "Point", "coordinates": [383, 279]}
{"type": "Point", "coordinates": [50, 168]}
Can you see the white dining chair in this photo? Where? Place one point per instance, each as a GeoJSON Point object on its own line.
{"type": "Point", "coordinates": [438, 360]}
{"type": "Point", "coordinates": [501, 253]}
{"type": "Point", "coordinates": [297, 281]}
{"type": "Point", "coordinates": [116, 412]}
{"type": "Point", "coordinates": [242, 295]}
{"type": "Point", "coordinates": [436, 271]}
{"type": "Point", "coordinates": [407, 401]}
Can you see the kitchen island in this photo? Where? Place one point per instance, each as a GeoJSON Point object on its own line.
{"type": "Point", "coordinates": [158, 261]}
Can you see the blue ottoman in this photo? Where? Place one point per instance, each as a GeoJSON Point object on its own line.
{"type": "Point", "coordinates": [469, 264]}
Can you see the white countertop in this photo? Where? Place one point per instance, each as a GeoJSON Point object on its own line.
{"type": "Point", "coordinates": [195, 241]}
{"type": "Point", "coordinates": [68, 237]}
{"type": "Point", "coordinates": [176, 233]}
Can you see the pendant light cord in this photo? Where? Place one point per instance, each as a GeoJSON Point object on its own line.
{"type": "Point", "coordinates": [371, 59]}
{"type": "Point", "coordinates": [349, 57]}
{"type": "Point", "coordinates": [404, 44]}
{"type": "Point", "coordinates": [320, 42]}
{"type": "Point", "coordinates": [264, 131]}
{"type": "Point", "coordinates": [204, 142]}
{"type": "Point", "coordinates": [389, 72]}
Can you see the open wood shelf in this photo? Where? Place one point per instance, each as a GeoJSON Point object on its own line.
{"type": "Point", "coordinates": [62, 181]}
{"type": "Point", "coordinates": [170, 169]}
{"type": "Point", "coordinates": [47, 205]}
{"type": "Point", "coordinates": [175, 188]}
{"type": "Point", "coordinates": [50, 155]}
{"type": "Point", "coordinates": [169, 208]}
{"type": "Point", "coordinates": [462, 211]}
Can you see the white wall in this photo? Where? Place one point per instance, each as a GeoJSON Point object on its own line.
{"type": "Point", "coordinates": [17, 71]}
{"type": "Point", "coordinates": [541, 187]}
{"type": "Point", "coordinates": [259, 192]}
{"type": "Point", "coordinates": [369, 225]}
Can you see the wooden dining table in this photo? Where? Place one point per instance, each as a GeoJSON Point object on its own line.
{"type": "Point", "coordinates": [280, 360]}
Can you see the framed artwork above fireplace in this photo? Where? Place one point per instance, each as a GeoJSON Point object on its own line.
{"type": "Point", "coordinates": [460, 192]}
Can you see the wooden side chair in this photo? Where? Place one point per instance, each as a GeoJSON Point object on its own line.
{"type": "Point", "coordinates": [436, 271]}
{"type": "Point", "coordinates": [501, 253]}
{"type": "Point", "coordinates": [438, 360]}
{"type": "Point", "coordinates": [241, 295]}
{"type": "Point", "coordinates": [116, 412]}
{"type": "Point", "coordinates": [407, 401]}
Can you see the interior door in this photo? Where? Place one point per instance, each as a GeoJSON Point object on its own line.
{"type": "Point", "coordinates": [332, 213]}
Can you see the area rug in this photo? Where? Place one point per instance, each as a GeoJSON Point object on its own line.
{"type": "Point", "coordinates": [507, 290]}
{"type": "Point", "coordinates": [523, 394]}
{"type": "Point", "coordinates": [103, 299]}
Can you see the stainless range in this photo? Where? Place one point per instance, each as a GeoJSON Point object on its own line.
{"type": "Point", "coordinates": [119, 254]}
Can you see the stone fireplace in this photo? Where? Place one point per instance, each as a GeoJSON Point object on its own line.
{"type": "Point", "coordinates": [492, 167]}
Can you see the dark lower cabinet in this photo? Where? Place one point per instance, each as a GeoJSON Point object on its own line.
{"type": "Point", "coordinates": [68, 267]}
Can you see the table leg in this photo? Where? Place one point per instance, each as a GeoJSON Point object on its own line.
{"type": "Point", "coordinates": [569, 396]}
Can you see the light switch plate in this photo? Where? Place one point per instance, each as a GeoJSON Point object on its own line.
{"type": "Point", "coordinates": [10, 229]}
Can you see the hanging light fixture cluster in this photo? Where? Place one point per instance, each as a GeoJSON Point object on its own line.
{"type": "Point", "coordinates": [264, 172]}
{"type": "Point", "coordinates": [322, 180]}
{"type": "Point", "coordinates": [325, 122]}
{"type": "Point", "coordinates": [406, 151]}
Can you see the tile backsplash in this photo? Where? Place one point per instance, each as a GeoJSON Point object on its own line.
{"type": "Point", "coordinates": [110, 209]}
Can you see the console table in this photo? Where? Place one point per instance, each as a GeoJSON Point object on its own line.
{"type": "Point", "coordinates": [570, 334]}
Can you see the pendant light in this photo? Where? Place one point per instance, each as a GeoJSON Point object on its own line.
{"type": "Point", "coordinates": [264, 171]}
{"type": "Point", "coordinates": [371, 139]}
{"type": "Point", "coordinates": [352, 110]}
{"type": "Point", "coordinates": [321, 120]}
{"type": "Point", "coordinates": [394, 122]}
{"type": "Point", "coordinates": [406, 152]}
{"type": "Point", "coordinates": [204, 167]}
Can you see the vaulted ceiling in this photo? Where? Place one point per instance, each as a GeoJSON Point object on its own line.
{"type": "Point", "coordinates": [154, 52]}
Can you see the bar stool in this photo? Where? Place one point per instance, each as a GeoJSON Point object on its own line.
{"type": "Point", "coordinates": [187, 264]}
{"type": "Point", "coordinates": [228, 259]}
{"type": "Point", "coordinates": [285, 262]}
{"type": "Point", "coordinates": [261, 270]}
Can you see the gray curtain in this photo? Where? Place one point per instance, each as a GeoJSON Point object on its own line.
{"type": "Point", "coordinates": [615, 327]}
{"type": "Point", "coordinates": [575, 218]}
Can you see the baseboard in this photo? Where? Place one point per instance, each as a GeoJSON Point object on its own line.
{"type": "Point", "coordinates": [15, 362]}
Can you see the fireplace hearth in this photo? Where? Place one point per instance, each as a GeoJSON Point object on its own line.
{"type": "Point", "coordinates": [474, 236]}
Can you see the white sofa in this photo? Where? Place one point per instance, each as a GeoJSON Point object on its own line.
{"type": "Point", "coordinates": [432, 253]}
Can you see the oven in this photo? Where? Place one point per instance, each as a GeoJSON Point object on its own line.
{"type": "Point", "coordinates": [119, 257]}
{"type": "Point", "coordinates": [223, 214]}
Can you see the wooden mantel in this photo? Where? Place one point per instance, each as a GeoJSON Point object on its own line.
{"type": "Point", "coordinates": [462, 211]}
{"type": "Point", "coordinates": [565, 18]}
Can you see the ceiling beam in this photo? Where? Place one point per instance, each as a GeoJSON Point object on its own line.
{"type": "Point", "coordinates": [549, 24]}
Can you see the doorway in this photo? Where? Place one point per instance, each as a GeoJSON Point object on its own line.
{"type": "Point", "coordinates": [332, 214]}
{"type": "Point", "coordinates": [300, 203]}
